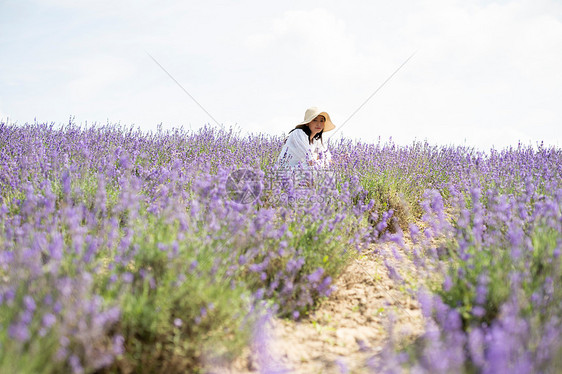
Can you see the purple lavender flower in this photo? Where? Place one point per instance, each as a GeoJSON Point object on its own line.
{"type": "Point", "coordinates": [127, 277]}
{"type": "Point", "coordinates": [316, 275]}
{"type": "Point", "coordinates": [19, 331]}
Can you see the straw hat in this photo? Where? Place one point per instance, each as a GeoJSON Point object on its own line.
{"type": "Point", "coordinates": [314, 112]}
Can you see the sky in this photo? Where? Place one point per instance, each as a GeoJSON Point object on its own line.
{"type": "Point", "coordinates": [484, 74]}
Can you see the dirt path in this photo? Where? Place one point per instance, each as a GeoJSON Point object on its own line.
{"type": "Point", "coordinates": [348, 328]}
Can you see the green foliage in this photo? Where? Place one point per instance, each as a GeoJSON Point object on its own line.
{"type": "Point", "coordinates": [176, 314]}
{"type": "Point", "coordinates": [35, 357]}
{"type": "Point", "coordinates": [495, 265]}
{"type": "Point", "coordinates": [392, 193]}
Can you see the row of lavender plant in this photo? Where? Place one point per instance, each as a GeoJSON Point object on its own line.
{"type": "Point", "coordinates": [126, 251]}
{"type": "Point", "coordinates": [489, 252]}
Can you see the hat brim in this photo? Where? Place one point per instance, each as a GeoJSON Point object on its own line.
{"type": "Point", "coordinates": [328, 125]}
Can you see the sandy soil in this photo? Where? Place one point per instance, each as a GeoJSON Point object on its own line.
{"type": "Point", "coordinates": [347, 329]}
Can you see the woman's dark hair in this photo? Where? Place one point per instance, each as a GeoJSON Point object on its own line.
{"type": "Point", "coordinates": [306, 129]}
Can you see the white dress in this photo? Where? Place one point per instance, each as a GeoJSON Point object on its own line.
{"type": "Point", "coordinates": [297, 150]}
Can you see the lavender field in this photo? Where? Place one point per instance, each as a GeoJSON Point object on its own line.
{"type": "Point", "coordinates": [124, 251]}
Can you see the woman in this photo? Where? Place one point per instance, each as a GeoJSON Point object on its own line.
{"type": "Point", "coordinates": [305, 146]}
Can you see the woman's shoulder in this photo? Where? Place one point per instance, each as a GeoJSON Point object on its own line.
{"type": "Point", "coordinates": [298, 134]}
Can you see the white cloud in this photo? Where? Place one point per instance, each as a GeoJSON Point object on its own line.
{"type": "Point", "coordinates": [312, 33]}
{"type": "Point", "coordinates": [312, 40]}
